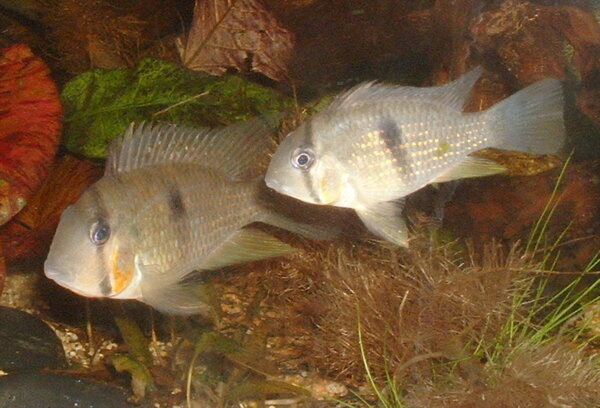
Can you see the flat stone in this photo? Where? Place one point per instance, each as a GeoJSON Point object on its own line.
{"type": "Point", "coordinates": [49, 390]}
{"type": "Point", "coordinates": [27, 343]}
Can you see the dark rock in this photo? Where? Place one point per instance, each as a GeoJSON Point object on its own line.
{"type": "Point", "coordinates": [37, 390]}
{"type": "Point", "coordinates": [27, 343]}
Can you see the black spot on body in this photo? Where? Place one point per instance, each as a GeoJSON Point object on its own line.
{"type": "Point", "coordinates": [176, 205]}
{"type": "Point", "coordinates": [392, 136]}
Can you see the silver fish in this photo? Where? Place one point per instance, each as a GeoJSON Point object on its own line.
{"type": "Point", "coordinates": [376, 143]}
{"type": "Point", "coordinates": [172, 201]}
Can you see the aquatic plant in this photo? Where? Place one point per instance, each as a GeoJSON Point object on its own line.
{"type": "Point", "coordinates": [100, 104]}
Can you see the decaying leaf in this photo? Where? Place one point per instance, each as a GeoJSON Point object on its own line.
{"type": "Point", "coordinates": [30, 124]}
{"type": "Point", "coordinates": [141, 379]}
{"type": "Point", "coordinates": [135, 340]}
{"type": "Point", "coordinates": [239, 34]}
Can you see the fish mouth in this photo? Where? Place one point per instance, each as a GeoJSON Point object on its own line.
{"type": "Point", "coordinates": [272, 184]}
{"type": "Point", "coordinates": [60, 276]}
{"type": "Point", "coordinates": [280, 188]}
{"type": "Point", "coordinates": [55, 272]}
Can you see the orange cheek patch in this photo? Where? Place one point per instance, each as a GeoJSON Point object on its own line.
{"type": "Point", "coordinates": [121, 276]}
{"type": "Point", "coordinates": [327, 195]}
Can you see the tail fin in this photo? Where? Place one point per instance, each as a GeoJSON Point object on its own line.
{"type": "Point", "coordinates": [530, 120]}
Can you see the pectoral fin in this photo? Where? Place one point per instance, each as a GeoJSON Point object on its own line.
{"type": "Point", "coordinates": [471, 167]}
{"type": "Point", "coordinates": [385, 220]}
{"type": "Point", "coordinates": [170, 296]}
{"type": "Point", "coordinates": [175, 293]}
{"type": "Point", "coordinates": [176, 299]}
{"type": "Point", "coordinates": [246, 245]}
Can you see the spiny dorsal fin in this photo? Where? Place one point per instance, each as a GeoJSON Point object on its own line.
{"type": "Point", "coordinates": [240, 150]}
{"type": "Point", "coordinates": [453, 94]}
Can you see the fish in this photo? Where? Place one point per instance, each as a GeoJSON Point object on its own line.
{"type": "Point", "coordinates": [377, 143]}
{"type": "Point", "coordinates": [172, 201]}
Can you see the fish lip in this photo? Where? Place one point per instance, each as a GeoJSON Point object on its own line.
{"type": "Point", "coordinates": [277, 186]}
{"type": "Point", "coordinates": [58, 275]}
{"type": "Point", "coordinates": [67, 285]}
{"type": "Point", "coordinates": [53, 271]}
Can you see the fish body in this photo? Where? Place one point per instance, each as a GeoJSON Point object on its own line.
{"type": "Point", "coordinates": [172, 201]}
{"type": "Point", "coordinates": [375, 144]}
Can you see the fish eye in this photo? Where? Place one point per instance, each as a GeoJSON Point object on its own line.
{"type": "Point", "coordinates": [303, 159]}
{"type": "Point", "coordinates": [99, 233]}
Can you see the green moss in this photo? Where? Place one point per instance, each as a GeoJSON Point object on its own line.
{"type": "Point", "coordinates": [100, 104]}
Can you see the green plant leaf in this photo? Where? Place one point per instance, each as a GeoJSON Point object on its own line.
{"type": "Point", "coordinates": [135, 340]}
{"type": "Point", "coordinates": [100, 104]}
{"type": "Point", "coordinates": [141, 379]}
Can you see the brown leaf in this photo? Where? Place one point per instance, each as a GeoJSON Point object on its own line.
{"type": "Point", "coordinates": [30, 126]}
{"type": "Point", "coordinates": [239, 34]}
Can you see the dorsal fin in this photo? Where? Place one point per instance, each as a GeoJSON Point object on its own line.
{"type": "Point", "coordinates": [240, 150]}
{"type": "Point", "coordinates": [453, 94]}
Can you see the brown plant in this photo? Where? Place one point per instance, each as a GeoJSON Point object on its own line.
{"type": "Point", "coordinates": [410, 305]}
{"type": "Point", "coordinates": [552, 375]}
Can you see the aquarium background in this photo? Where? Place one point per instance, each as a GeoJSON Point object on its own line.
{"type": "Point", "coordinates": [494, 304]}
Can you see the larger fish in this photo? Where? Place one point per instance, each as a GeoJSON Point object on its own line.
{"type": "Point", "coordinates": [172, 201]}
{"type": "Point", "coordinates": [378, 143]}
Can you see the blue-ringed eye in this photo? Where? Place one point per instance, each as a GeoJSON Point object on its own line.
{"type": "Point", "coordinates": [100, 232]}
{"type": "Point", "coordinates": [303, 158]}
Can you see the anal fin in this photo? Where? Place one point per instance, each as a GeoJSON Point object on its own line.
{"type": "Point", "coordinates": [470, 167]}
{"type": "Point", "coordinates": [385, 220]}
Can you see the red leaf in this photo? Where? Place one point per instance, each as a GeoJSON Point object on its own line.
{"type": "Point", "coordinates": [30, 125]}
{"type": "Point", "coordinates": [238, 34]}
{"type": "Point", "coordinates": [30, 232]}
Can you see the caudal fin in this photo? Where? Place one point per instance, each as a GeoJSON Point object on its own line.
{"type": "Point", "coordinates": [531, 120]}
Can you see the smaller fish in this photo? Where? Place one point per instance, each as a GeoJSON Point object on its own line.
{"type": "Point", "coordinates": [172, 201]}
{"type": "Point", "coordinates": [375, 144]}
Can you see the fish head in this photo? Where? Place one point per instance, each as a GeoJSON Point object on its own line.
{"type": "Point", "coordinates": [304, 169]}
{"type": "Point", "coordinates": [89, 254]}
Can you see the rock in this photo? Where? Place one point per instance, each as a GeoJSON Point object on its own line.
{"type": "Point", "coordinates": [506, 208]}
{"type": "Point", "coordinates": [27, 343]}
{"type": "Point", "coordinates": [57, 391]}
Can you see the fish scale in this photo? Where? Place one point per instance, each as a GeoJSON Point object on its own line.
{"type": "Point", "coordinates": [208, 217]}
{"type": "Point", "coordinates": [420, 152]}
